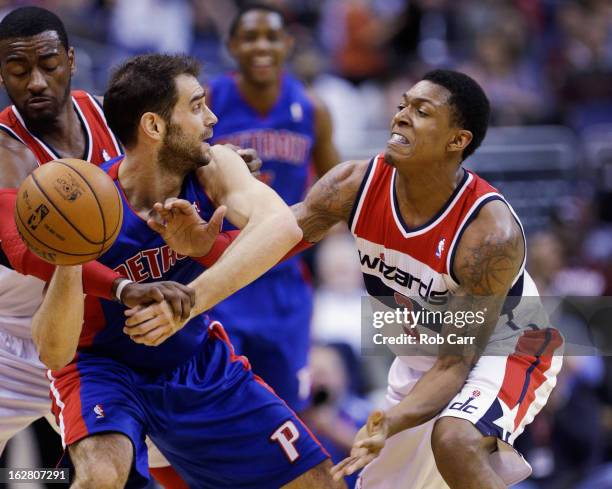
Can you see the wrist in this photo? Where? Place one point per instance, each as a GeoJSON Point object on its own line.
{"type": "Point", "coordinates": [118, 287]}
{"type": "Point", "coordinates": [396, 422]}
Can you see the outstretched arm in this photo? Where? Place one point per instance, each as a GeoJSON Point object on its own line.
{"type": "Point", "coordinates": [330, 200]}
{"type": "Point", "coordinates": [268, 231]}
{"type": "Point", "coordinates": [57, 324]}
{"type": "Point", "coordinates": [488, 259]}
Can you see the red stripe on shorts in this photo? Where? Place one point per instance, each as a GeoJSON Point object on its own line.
{"type": "Point", "coordinates": [68, 385]}
{"type": "Point", "coordinates": [217, 331]}
{"type": "Point", "coordinates": [526, 367]}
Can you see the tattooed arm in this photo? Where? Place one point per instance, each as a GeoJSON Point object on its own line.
{"type": "Point", "coordinates": [488, 259]}
{"type": "Point", "coordinates": [330, 200]}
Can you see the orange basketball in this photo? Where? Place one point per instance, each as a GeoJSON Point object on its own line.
{"type": "Point", "coordinates": [68, 212]}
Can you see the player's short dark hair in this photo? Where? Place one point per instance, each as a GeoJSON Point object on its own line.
{"type": "Point", "coordinates": [469, 103]}
{"type": "Point", "coordinates": [144, 83]}
{"type": "Point", "coordinates": [29, 21]}
{"type": "Point", "coordinates": [248, 7]}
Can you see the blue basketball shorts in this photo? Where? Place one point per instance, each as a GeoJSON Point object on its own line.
{"type": "Point", "coordinates": [218, 424]}
{"type": "Point", "coordinates": [269, 322]}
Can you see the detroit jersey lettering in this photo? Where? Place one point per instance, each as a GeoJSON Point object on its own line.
{"type": "Point", "coordinates": [142, 255]}
{"type": "Point", "coordinates": [283, 137]}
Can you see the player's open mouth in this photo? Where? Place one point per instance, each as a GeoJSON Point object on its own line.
{"type": "Point", "coordinates": [398, 139]}
{"type": "Point", "coordinates": [263, 61]}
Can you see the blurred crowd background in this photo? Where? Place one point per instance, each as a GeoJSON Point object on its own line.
{"type": "Point", "coordinates": [546, 66]}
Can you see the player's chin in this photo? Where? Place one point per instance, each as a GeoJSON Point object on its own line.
{"type": "Point", "coordinates": [48, 114]}
{"type": "Point", "coordinates": [393, 154]}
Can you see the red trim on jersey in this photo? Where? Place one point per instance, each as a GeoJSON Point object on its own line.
{"type": "Point", "coordinates": [526, 368]}
{"type": "Point", "coordinates": [67, 382]}
{"type": "Point", "coordinates": [217, 332]}
{"type": "Point", "coordinates": [101, 143]}
{"type": "Point", "coordinates": [374, 219]}
{"type": "Point", "coordinates": [168, 478]}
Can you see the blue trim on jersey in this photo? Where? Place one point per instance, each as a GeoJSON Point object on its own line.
{"type": "Point", "coordinates": [535, 363]}
{"type": "Point", "coordinates": [10, 132]}
{"type": "Point", "coordinates": [462, 230]}
{"type": "Point", "coordinates": [407, 228]}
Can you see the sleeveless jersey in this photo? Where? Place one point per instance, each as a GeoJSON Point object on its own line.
{"type": "Point", "coordinates": [141, 254]}
{"type": "Point", "coordinates": [283, 137]}
{"type": "Point", "coordinates": [20, 295]}
{"type": "Point", "coordinates": [399, 262]}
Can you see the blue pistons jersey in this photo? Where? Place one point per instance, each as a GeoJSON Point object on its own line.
{"type": "Point", "coordinates": [218, 425]}
{"type": "Point", "coordinates": [283, 137]}
{"type": "Point", "coordinates": [269, 320]}
{"type": "Point", "coordinates": [141, 255]}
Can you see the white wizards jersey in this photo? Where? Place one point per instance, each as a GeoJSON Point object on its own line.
{"type": "Point", "coordinates": [405, 265]}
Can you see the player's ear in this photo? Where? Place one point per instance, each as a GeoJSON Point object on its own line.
{"type": "Point", "coordinates": [460, 140]}
{"type": "Point", "coordinates": [71, 60]}
{"type": "Point", "coordinates": [152, 126]}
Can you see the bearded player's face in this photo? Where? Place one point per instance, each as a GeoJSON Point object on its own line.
{"type": "Point", "coordinates": [36, 73]}
{"type": "Point", "coordinates": [184, 147]}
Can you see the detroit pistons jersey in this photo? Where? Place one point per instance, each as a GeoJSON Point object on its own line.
{"type": "Point", "coordinates": [400, 263]}
{"type": "Point", "coordinates": [141, 255]}
{"type": "Point", "coordinates": [283, 137]}
{"type": "Point", "coordinates": [21, 295]}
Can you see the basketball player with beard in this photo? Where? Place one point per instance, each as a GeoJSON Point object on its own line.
{"type": "Point", "coordinates": [178, 382]}
{"type": "Point", "coordinates": [430, 235]}
{"type": "Point", "coordinates": [47, 121]}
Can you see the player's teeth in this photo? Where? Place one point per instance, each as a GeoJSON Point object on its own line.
{"type": "Point", "coordinates": [398, 138]}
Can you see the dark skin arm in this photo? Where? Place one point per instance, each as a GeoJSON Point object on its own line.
{"type": "Point", "coordinates": [324, 153]}
{"type": "Point", "coordinates": [330, 200]}
{"type": "Point", "coordinates": [489, 256]}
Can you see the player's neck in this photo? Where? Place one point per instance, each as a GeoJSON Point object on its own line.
{"type": "Point", "coordinates": [64, 134]}
{"type": "Point", "coordinates": [421, 194]}
{"type": "Point", "coordinates": [261, 97]}
{"type": "Point", "coordinates": [144, 184]}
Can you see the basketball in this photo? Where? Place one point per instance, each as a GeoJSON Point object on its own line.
{"type": "Point", "coordinates": [68, 212]}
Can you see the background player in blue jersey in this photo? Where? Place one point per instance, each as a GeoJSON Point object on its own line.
{"type": "Point", "coordinates": [216, 422]}
{"type": "Point", "coordinates": [264, 107]}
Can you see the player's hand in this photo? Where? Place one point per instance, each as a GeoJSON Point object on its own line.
{"type": "Point", "coordinates": [250, 157]}
{"type": "Point", "coordinates": [152, 325]}
{"type": "Point", "coordinates": [182, 228]}
{"type": "Point", "coordinates": [179, 297]}
{"type": "Point", "coordinates": [368, 443]}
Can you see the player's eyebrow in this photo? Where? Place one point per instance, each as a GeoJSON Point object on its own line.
{"type": "Point", "coordinates": [21, 57]}
{"type": "Point", "coordinates": [197, 96]}
{"type": "Point", "coordinates": [15, 57]}
{"type": "Point", "coordinates": [49, 55]}
{"type": "Point", "coordinates": [419, 100]}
